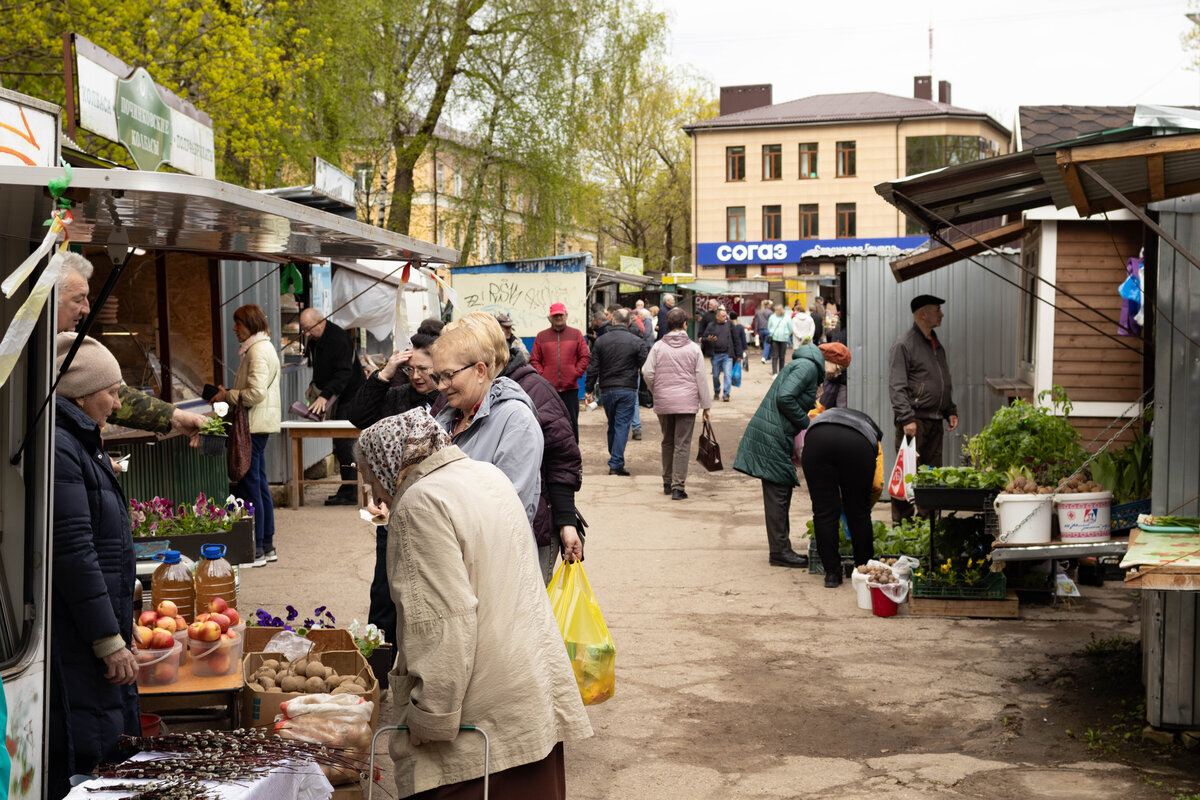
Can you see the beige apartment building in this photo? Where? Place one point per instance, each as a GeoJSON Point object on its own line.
{"type": "Point", "coordinates": [780, 190]}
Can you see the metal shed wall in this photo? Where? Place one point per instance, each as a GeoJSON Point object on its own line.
{"type": "Point", "coordinates": [1177, 365]}
{"type": "Point", "coordinates": [979, 331]}
{"type": "Point", "coordinates": [238, 289]}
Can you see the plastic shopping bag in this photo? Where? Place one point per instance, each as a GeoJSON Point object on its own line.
{"type": "Point", "coordinates": [736, 375]}
{"type": "Point", "coordinates": [900, 486]}
{"type": "Point", "coordinates": [589, 646]}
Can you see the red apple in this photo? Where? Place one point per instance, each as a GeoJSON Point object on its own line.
{"type": "Point", "coordinates": [202, 617]}
{"type": "Point", "coordinates": [167, 609]}
{"type": "Point", "coordinates": [221, 620]}
{"type": "Point", "coordinates": [148, 618]}
{"type": "Point", "coordinates": [161, 640]}
{"type": "Point", "coordinates": [141, 635]}
{"type": "Point", "coordinates": [219, 662]}
{"type": "Point", "coordinates": [164, 673]}
{"type": "Point", "coordinates": [194, 629]}
{"type": "Point", "coordinates": [165, 624]}
{"type": "Point", "coordinates": [229, 635]}
{"type": "Point", "coordinates": [180, 624]}
{"type": "Point", "coordinates": [234, 617]}
{"type": "Point", "coordinates": [209, 631]}
{"type": "Point", "coordinates": [218, 605]}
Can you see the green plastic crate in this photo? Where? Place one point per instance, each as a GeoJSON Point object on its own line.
{"type": "Point", "coordinates": [815, 567]}
{"type": "Point", "coordinates": [993, 587]}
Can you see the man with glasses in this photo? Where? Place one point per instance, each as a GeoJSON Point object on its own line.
{"type": "Point", "coordinates": [616, 363]}
{"type": "Point", "coordinates": [336, 379]}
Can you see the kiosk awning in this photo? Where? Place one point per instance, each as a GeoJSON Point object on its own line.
{"type": "Point", "coordinates": [185, 212]}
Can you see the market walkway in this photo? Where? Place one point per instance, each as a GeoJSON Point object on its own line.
{"type": "Point", "coordinates": [741, 680]}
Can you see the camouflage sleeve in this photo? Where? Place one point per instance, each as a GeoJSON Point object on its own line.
{"type": "Point", "coordinates": [141, 411]}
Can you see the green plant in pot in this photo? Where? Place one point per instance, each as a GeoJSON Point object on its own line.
{"type": "Point", "coordinates": [1037, 440]}
{"type": "Point", "coordinates": [214, 433]}
{"type": "Point", "coordinates": [1127, 472]}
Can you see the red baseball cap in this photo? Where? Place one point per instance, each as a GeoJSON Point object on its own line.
{"type": "Point", "coordinates": [557, 308]}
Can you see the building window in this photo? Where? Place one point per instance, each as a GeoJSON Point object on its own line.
{"type": "Point", "coordinates": [845, 160]}
{"type": "Point", "coordinates": [364, 177]}
{"type": "Point", "coordinates": [808, 221]}
{"type": "Point", "coordinates": [457, 185]}
{"type": "Point", "coordinates": [925, 153]}
{"type": "Point", "coordinates": [735, 163]}
{"type": "Point", "coordinates": [846, 226]}
{"type": "Point", "coordinates": [735, 271]}
{"type": "Point", "coordinates": [772, 162]}
{"type": "Point", "coordinates": [441, 178]}
{"type": "Point", "coordinates": [735, 224]}
{"type": "Point", "coordinates": [808, 160]}
{"type": "Point", "coordinates": [772, 223]}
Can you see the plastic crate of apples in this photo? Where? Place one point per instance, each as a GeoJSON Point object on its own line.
{"type": "Point", "coordinates": [215, 641]}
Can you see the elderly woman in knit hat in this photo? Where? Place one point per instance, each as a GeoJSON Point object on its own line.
{"type": "Point", "coordinates": [478, 643]}
{"type": "Point", "coordinates": [92, 697]}
{"type": "Point", "coordinates": [837, 360]}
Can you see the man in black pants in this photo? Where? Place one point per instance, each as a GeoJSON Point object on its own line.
{"type": "Point", "coordinates": [920, 388]}
{"type": "Point", "coordinates": [840, 458]}
{"type": "Point", "coordinates": [336, 373]}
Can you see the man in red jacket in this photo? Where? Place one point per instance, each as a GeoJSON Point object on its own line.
{"type": "Point", "coordinates": [560, 355]}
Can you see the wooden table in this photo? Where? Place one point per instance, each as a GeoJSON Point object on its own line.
{"type": "Point", "coordinates": [299, 431]}
{"type": "Point", "coordinates": [1169, 561]}
{"type": "Point", "coordinates": [189, 692]}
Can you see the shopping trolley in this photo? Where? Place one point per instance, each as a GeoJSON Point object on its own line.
{"type": "Point", "coordinates": [486, 754]}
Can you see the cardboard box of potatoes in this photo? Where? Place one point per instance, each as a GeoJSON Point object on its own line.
{"type": "Point", "coordinates": [271, 680]}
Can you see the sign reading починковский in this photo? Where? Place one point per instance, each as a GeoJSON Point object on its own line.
{"type": "Point", "coordinates": [143, 120]}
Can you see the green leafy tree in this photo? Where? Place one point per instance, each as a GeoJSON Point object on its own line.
{"type": "Point", "coordinates": [239, 60]}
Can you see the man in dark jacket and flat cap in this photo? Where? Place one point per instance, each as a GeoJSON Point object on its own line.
{"type": "Point", "coordinates": [920, 388]}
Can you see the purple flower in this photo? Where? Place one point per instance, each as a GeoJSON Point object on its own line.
{"type": "Point", "coordinates": [292, 613]}
{"type": "Point", "coordinates": [319, 611]}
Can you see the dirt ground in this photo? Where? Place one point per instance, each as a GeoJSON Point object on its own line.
{"type": "Point", "coordinates": [741, 680]}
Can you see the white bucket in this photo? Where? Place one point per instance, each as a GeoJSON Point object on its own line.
{"type": "Point", "coordinates": [861, 592]}
{"type": "Point", "coordinates": [1012, 509]}
{"type": "Point", "coordinates": [1084, 517]}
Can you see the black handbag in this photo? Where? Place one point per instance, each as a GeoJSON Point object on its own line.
{"type": "Point", "coordinates": [709, 452]}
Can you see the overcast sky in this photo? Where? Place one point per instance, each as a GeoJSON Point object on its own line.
{"type": "Point", "coordinates": [996, 56]}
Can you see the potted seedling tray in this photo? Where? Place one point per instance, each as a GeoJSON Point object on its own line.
{"type": "Point", "coordinates": [954, 499]}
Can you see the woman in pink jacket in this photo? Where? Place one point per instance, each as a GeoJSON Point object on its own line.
{"type": "Point", "coordinates": [675, 373]}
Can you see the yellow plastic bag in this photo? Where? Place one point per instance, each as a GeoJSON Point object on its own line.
{"type": "Point", "coordinates": [589, 645]}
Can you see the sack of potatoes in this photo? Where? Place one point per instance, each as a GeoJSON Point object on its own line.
{"type": "Point", "coordinates": [306, 676]}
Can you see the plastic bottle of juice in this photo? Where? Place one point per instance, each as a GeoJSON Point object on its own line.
{"type": "Point", "coordinates": [214, 578]}
{"type": "Point", "coordinates": [173, 581]}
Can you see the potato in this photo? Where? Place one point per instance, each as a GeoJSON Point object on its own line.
{"type": "Point", "coordinates": [361, 681]}
{"type": "Point", "coordinates": [332, 683]}
{"type": "Point", "coordinates": [314, 685]}
{"type": "Point", "coordinates": [329, 673]}
{"type": "Point", "coordinates": [271, 663]}
{"type": "Point", "coordinates": [292, 684]}
{"type": "Point", "coordinates": [353, 688]}
{"type": "Point", "coordinates": [341, 690]}
{"type": "Point", "coordinates": [267, 684]}
{"type": "Point", "coordinates": [255, 686]}
{"type": "Point", "coordinates": [314, 670]}
{"type": "Point", "coordinates": [298, 667]}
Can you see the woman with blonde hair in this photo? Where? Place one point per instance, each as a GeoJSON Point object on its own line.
{"type": "Point", "coordinates": [489, 417]}
{"type": "Point", "coordinates": [556, 523]}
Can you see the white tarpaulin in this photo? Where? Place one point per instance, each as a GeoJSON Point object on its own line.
{"type": "Point", "coordinates": [375, 308]}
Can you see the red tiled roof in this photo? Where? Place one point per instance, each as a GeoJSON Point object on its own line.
{"type": "Point", "coordinates": [849, 107]}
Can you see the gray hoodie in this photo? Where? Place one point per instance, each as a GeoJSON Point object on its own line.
{"type": "Point", "coordinates": [505, 432]}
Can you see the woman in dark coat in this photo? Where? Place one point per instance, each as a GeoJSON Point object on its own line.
{"type": "Point", "coordinates": [378, 398]}
{"type": "Point", "coordinates": [93, 699]}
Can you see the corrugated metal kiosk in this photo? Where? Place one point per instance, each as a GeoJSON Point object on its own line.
{"type": "Point", "coordinates": [124, 209]}
{"type": "Point", "coordinates": [1148, 164]}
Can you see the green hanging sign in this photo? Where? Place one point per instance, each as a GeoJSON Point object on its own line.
{"type": "Point", "coordinates": [143, 120]}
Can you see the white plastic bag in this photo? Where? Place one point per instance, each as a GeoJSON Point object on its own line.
{"type": "Point", "coordinates": [896, 592]}
{"type": "Point", "coordinates": [900, 486]}
{"type": "Point", "coordinates": [292, 645]}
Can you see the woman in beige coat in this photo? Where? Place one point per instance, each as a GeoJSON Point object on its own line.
{"type": "Point", "coordinates": [256, 387]}
{"type": "Point", "coordinates": [478, 644]}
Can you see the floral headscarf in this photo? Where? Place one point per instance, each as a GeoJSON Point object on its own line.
{"type": "Point", "coordinates": [394, 443]}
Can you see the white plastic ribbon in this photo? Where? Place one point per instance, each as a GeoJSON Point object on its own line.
{"type": "Point", "coordinates": [24, 321]}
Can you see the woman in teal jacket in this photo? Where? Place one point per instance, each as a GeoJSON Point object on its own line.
{"type": "Point", "coordinates": [765, 451]}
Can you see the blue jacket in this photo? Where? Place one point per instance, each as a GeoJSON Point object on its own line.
{"type": "Point", "coordinates": [93, 573]}
{"type": "Point", "coordinates": [505, 432]}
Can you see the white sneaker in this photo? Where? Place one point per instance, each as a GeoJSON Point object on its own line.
{"type": "Point", "coordinates": [764, 361]}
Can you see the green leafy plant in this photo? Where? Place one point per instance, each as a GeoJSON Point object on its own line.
{"type": "Point", "coordinates": [909, 538]}
{"type": "Point", "coordinates": [215, 426]}
{"type": "Point", "coordinates": [958, 478]}
{"type": "Point", "coordinates": [1024, 436]}
{"type": "Point", "coordinates": [1126, 472]}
